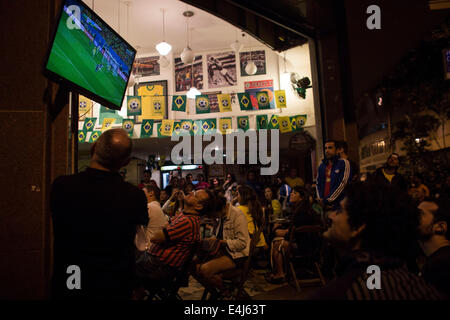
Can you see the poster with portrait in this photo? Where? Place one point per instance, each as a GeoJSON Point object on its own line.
{"type": "Point", "coordinates": [254, 87]}
{"type": "Point", "coordinates": [258, 57]}
{"type": "Point", "coordinates": [221, 69]}
{"type": "Point", "coordinates": [188, 75]}
{"type": "Point", "coordinates": [147, 66]}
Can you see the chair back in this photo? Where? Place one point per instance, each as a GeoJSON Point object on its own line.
{"type": "Point", "coordinates": [312, 235]}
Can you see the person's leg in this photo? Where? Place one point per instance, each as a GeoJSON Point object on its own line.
{"type": "Point", "coordinates": [278, 259]}
{"type": "Point", "coordinates": [210, 270]}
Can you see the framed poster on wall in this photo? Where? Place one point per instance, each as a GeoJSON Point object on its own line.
{"type": "Point", "coordinates": [148, 91]}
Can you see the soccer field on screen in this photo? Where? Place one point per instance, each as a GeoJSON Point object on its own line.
{"type": "Point", "coordinates": [72, 57]}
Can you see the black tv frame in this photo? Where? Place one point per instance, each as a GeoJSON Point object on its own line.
{"type": "Point", "coordinates": [71, 85]}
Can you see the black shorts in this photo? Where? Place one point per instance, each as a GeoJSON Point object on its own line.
{"type": "Point", "coordinates": [239, 262]}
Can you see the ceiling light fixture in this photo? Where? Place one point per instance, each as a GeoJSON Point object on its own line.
{"type": "Point", "coordinates": [251, 67]}
{"type": "Point", "coordinates": [163, 47]}
{"type": "Point", "coordinates": [236, 46]}
{"type": "Point", "coordinates": [187, 56]}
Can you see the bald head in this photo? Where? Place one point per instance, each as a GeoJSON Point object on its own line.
{"type": "Point", "coordinates": [112, 150]}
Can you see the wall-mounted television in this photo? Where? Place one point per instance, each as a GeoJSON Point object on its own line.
{"type": "Point", "coordinates": [88, 56]}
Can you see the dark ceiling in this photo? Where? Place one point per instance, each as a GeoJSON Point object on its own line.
{"type": "Point", "coordinates": [281, 25]}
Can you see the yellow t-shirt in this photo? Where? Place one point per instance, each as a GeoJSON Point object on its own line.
{"type": "Point", "coordinates": [276, 206]}
{"type": "Point", "coordinates": [388, 176]}
{"type": "Point", "coordinates": [251, 226]}
{"type": "Point", "coordinates": [294, 182]}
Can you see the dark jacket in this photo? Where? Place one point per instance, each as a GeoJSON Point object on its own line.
{"type": "Point", "coordinates": [396, 282]}
{"type": "Point", "coordinates": [340, 175]}
{"type": "Point", "coordinates": [398, 181]}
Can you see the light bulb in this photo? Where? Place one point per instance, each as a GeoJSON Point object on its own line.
{"type": "Point", "coordinates": [251, 68]}
{"type": "Point", "coordinates": [163, 48]}
{"type": "Point", "coordinates": [236, 46]}
{"type": "Point", "coordinates": [187, 56]}
{"type": "Point", "coordinates": [192, 93]}
{"type": "Point", "coordinates": [164, 62]}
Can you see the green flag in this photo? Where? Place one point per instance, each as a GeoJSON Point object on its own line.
{"type": "Point", "coordinates": [81, 136]}
{"type": "Point", "coordinates": [109, 113]}
{"type": "Point", "coordinates": [134, 106]}
{"type": "Point", "coordinates": [244, 101]}
{"type": "Point", "coordinates": [197, 127]}
{"type": "Point", "coordinates": [89, 124]}
{"type": "Point", "coordinates": [94, 136]}
{"type": "Point", "coordinates": [186, 127]}
{"type": "Point", "coordinates": [273, 123]}
{"type": "Point", "coordinates": [179, 103]}
{"type": "Point", "coordinates": [202, 104]}
{"type": "Point", "coordinates": [146, 128]}
{"type": "Point", "coordinates": [209, 126]}
{"type": "Point", "coordinates": [243, 123]}
{"type": "Point", "coordinates": [128, 126]}
{"type": "Point", "coordinates": [177, 128]}
{"type": "Point", "coordinates": [263, 100]}
{"type": "Point", "coordinates": [261, 122]}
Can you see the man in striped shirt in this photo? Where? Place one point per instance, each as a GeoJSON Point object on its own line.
{"type": "Point", "coordinates": [172, 246]}
{"type": "Point", "coordinates": [374, 231]}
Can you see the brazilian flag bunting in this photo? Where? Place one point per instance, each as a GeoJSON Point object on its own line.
{"type": "Point", "coordinates": [134, 106]}
{"type": "Point", "coordinates": [202, 104]}
{"type": "Point", "coordinates": [89, 124]}
{"type": "Point", "coordinates": [280, 98]}
{"type": "Point", "coordinates": [263, 100]}
{"type": "Point", "coordinates": [209, 126]}
{"type": "Point", "coordinates": [273, 123]}
{"type": "Point", "coordinates": [81, 136]}
{"type": "Point", "coordinates": [225, 125]}
{"type": "Point", "coordinates": [197, 127]}
{"type": "Point", "coordinates": [179, 103]}
{"type": "Point", "coordinates": [94, 136]}
{"type": "Point", "coordinates": [261, 122]}
{"type": "Point", "coordinates": [285, 124]}
{"type": "Point", "coordinates": [243, 123]}
{"type": "Point", "coordinates": [147, 128]}
{"type": "Point", "coordinates": [244, 101]}
{"type": "Point", "coordinates": [128, 126]}
{"type": "Point", "coordinates": [186, 127]}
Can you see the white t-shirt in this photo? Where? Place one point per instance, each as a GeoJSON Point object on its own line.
{"type": "Point", "coordinates": [157, 219]}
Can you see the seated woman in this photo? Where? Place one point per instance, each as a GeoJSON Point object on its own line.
{"type": "Point", "coordinates": [174, 204]}
{"type": "Point", "coordinates": [233, 242]}
{"type": "Point", "coordinates": [302, 215]}
{"type": "Point", "coordinates": [251, 207]}
{"type": "Point", "coordinates": [272, 207]}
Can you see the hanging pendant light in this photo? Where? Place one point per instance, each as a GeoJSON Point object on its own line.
{"type": "Point", "coordinates": [163, 47]}
{"type": "Point", "coordinates": [164, 62]}
{"type": "Point", "coordinates": [236, 46]}
{"type": "Point", "coordinates": [187, 56]}
{"type": "Point", "coordinates": [251, 67]}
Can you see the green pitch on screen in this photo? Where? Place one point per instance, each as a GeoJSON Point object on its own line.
{"type": "Point", "coordinates": [73, 57]}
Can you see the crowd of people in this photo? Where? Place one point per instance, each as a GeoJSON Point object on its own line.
{"type": "Point", "coordinates": [121, 235]}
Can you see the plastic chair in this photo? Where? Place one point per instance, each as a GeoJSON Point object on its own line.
{"type": "Point", "coordinates": [310, 258]}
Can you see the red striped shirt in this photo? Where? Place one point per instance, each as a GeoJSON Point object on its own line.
{"type": "Point", "coordinates": [183, 232]}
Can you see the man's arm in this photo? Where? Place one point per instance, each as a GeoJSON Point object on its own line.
{"type": "Point", "coordinates": [319, 184]}
{"type": "Point", "coordinates": [159, 237]}
{"type": "Point", "coordinates": [343, 178]}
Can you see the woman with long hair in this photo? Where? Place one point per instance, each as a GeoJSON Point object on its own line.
{"type": "Point", "coordinates": [302, 214]}
{"type": "Point", "coordinates": [228, 186]}
{"type": "Point", "coordinates": [271, 206]}
{"type": "Point", "coordinates": [230, 244]}
{"type": "Point", "coordinates": [251, 207]}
